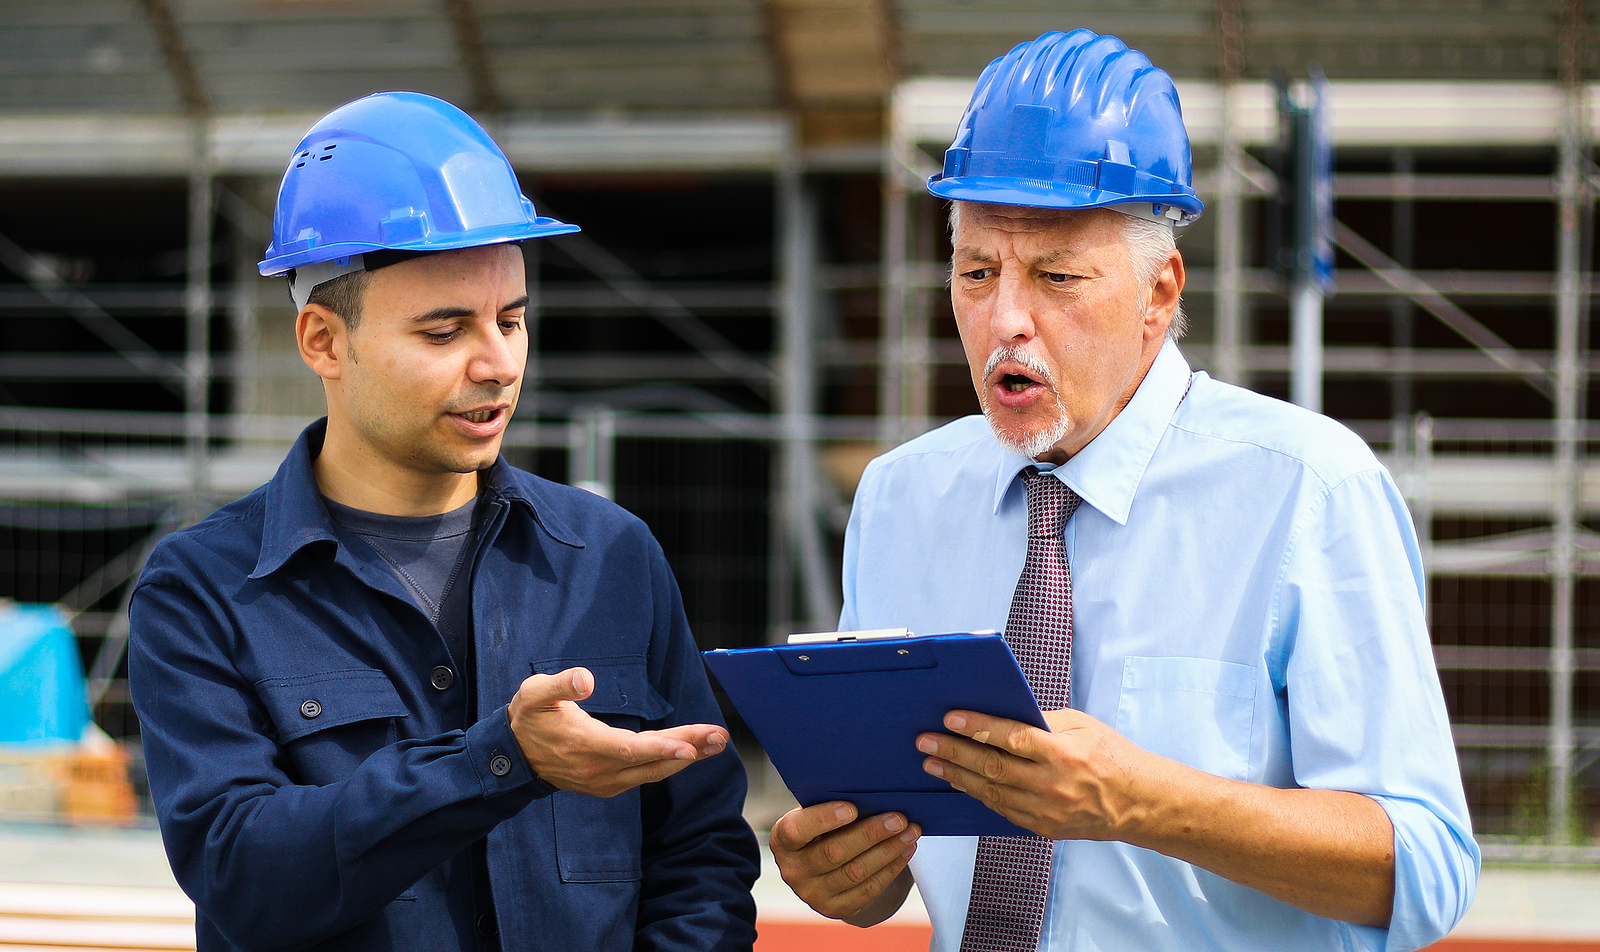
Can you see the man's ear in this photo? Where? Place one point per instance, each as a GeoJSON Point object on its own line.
{"type": "Point", "coordinates": [1165, 293]}
{"type": "Point", "coordinates": [323, 340]}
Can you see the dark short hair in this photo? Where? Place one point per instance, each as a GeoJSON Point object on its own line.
{"type": "Point", "coordinates": [343, 296]}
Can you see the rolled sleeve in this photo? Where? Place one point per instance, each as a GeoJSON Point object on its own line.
{"type": "Point", "coordinates": [1366, 712]}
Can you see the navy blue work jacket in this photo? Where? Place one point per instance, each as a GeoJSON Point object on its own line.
{"type": "Point", "coordinates": [317, 773]}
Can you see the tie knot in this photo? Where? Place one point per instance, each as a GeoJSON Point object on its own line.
{"type": "Point", "coordinates": [1050, 504]}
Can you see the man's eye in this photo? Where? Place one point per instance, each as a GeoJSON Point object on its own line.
{"type": "Point", "coordinates": [1056, 277]}
{"type": "Point", "coordinates": [978, 274]}
{"type": "Point", "coordinates": [510, 324]}
{"type": "Point", "coordinates": [441, 337]}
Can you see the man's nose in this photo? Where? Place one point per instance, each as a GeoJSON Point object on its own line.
{"type": "Point", "coordinates": [1012, 318]}
{"type": "Point", "coordinates": [498, 359]}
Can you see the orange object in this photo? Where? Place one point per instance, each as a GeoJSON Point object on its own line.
{"type": "Point", "coordinates": [838, 937]}
{"type": "Point", "coordinates": [97, 791]}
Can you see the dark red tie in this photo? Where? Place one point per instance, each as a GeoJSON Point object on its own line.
{"type": "Point", "coordinates": [1012, 875]}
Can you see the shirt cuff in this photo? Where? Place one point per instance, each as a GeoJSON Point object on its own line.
{"type": "Point", "coordinates": [498, 759]}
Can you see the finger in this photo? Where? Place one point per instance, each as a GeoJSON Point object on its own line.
{"type": "Point", "coordinates": [647, 747]}
{"type": "Point", "coordinates": [545, 690]}
{"type": "Point", "coordinates": [859, 880]}
{"type": "Point", "coordinates": [707, 738]}
{"type": "Point", "coordinates": [1001, 732]}
{"type": "Point", "coordinates": [795, 830]}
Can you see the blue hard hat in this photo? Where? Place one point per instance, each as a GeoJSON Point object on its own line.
{"type": "Point", "coordinates": [1073, 120]}
{"type": "Point", "coordinates": [397, 171]}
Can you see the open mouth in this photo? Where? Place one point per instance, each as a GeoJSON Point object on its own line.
{"type": "Point", "coordinates": [480, 416]}
{"type": "Point", "coordinates": [1016, 383]}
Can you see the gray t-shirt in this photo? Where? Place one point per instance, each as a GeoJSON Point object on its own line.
{"type": "Point", "coordinates": [428, 555]}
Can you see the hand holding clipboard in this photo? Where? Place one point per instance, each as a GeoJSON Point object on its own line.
{"type": "Point", "coordinates": [840, 718]}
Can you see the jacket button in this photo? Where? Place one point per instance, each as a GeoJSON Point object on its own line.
{"type": "Point", "coordinates": [487, 927]}
{"type": "Point", "coordinates": [500, 765]}
{"type": "Point", "coordinates": [441, 678]}
{"type": "Point", "coordinates": [310, 708]}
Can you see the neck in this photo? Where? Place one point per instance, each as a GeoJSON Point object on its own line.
{"type": "Point", "coordinates": [352, 475]}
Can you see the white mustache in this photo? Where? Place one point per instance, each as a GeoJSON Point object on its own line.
{"type": "Point", "coordinates": [1029, 361]}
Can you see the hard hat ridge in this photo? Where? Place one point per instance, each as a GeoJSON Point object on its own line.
{"type": "Point", "coordinates": [1073, 120]}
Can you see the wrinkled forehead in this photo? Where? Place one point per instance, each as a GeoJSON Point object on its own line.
{"type": "Point", "coordinates": [982, 229]}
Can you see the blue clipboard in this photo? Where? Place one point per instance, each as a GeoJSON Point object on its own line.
{"type": "Point", "coordinates": [840, 719]}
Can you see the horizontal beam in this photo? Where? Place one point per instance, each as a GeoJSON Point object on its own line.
{"type": "Point", "coordinates": [119, 145]}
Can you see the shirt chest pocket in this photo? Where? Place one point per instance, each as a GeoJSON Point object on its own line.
{"type": "Point", "coordinates": [1198, 711]}
{"type": "Point", "coordinates": [330, 722]}
{"type": "Point", "coordinates": [599, 840]}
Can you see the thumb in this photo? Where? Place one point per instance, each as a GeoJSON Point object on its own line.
{"type": "Point", "coordinates": [573, 684]}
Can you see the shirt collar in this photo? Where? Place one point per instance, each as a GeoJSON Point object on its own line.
{"type": "Point", "coordinates": [294, 514]}
{"type": "Point", "coordinates": [1106, 473]}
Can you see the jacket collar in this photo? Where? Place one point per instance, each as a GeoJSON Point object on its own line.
{"type": "Point", "coordinates": [295, 516]}
{"type": "Point", "coordinates": [1106, 473]}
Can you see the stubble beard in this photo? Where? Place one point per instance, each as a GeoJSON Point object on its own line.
{"type": "Point", "coordinates": [1039, 442]}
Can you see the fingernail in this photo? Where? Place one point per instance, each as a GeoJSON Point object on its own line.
{"type": "Point", "coordinates": [687, 753]}
{"type": "Point", "coordinates": [926, 745]}
{"type": "Point", "coordinates": [714, 749]}
{"type": "Point", "coordinates": [934, 767]}
{"type": "Point", "coordinates": [981, 737]}
{"type": "Point", "coordinates": [894, 823]}
{"type": "Point", "coordinates": [956, 722]}
{"type": "Point", "coordinates": [909, 853]}
{"type": "Point", "coordinates": [842, 811]}
{"type": "Point", "coordinates": [909, 836]}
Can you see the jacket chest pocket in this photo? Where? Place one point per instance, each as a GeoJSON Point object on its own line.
{"type": "Point", "coordinates": [330, 722]}
{"type": "Point", "coordinates": [1197, 711]}
{"type": "Point", "coordinates": [599, 840]}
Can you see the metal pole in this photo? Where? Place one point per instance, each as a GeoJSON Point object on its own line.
{"type": "Point", "coordinates": [1228, 336]}
{"type": "Point", "coordinates": [1305, 343]}
{"type": "Point", "coordinates": [1401, 316]}
{"type": "Point", "coordinates": [797, 394]}
{"type": "Point", "coordinates": [892, 296]}
{"type": "Point", "coordinates": [591, 440]}
{"type": "Point", "coordinates": [1229, 302]}
{"type": "Point", "coordinates": [197, 309]}
{"type": "Point", "coordinates": [1569, 385]}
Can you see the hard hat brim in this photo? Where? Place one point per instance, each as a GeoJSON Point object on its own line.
{"type": "Point", "coordinates": [494, 235]}
{"type": "Point", "coordinates": [1036, 193]}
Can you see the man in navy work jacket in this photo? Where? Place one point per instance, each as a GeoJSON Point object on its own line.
{"type": "Point", "coordinates": [406, 696]}
{"type": "Point", "coordinates": [1216, 596]}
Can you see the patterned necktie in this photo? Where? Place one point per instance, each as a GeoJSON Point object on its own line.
{"type": "Point", "coordinates": [1012, 874]}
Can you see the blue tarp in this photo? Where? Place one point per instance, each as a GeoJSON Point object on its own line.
{"type": "Point", "coordinates": [42, 696]}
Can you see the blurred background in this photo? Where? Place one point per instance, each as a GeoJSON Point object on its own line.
{"type": "Point", "coordinates": [755, 306]}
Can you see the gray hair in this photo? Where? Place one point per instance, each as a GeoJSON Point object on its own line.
{"type": "Point", "coordinates": [1149, 243]}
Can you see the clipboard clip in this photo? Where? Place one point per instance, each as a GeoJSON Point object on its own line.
{"type": "Point", "coordinates": [870, 634]}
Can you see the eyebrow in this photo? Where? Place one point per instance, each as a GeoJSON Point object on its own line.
{"type": "Point", "coordinates": [983, 257]}
{"type": "Point", "coordinates": [452, 313]}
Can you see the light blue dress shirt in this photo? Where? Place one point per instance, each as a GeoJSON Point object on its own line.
{"type": "Point", "coordinates": [1247, 599]}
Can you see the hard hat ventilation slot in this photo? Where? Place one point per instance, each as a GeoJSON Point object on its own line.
{"type": "Point", "coordinates": [300, 160]}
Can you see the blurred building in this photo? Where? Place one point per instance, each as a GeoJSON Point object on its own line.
{"type": "Point", "coordinates": [755, 305]}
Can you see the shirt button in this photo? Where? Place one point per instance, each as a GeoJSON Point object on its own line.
{"type": "Point", "coordinates": [487, 927]}
{"type": "Point", "coordinates": [500, 765]}
{"type": "Point", "coordinates": [310, 708]}
{"type": "Point", "coordinates": [441, 678]}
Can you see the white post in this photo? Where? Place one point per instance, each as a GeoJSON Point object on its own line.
{"type": "Point", "coordinates": [1305, 343]}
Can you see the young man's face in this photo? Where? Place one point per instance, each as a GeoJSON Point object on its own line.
{"type": "Point", "coordinates": [1058, 327]}
{"type": "Point", "coordinates": [434, 366]}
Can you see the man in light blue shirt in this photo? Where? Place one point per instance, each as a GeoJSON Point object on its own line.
{"type": "Point", "coordinates": [1257, 754]}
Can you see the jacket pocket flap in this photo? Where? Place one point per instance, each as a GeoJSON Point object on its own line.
{"type": "Point", "coordinates": [621, 686]}
{"type": "Point", "coordinates": [315, 702]}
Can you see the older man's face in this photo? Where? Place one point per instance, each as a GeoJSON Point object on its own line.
{"type": "Point", "coordinates": [1057, 326]}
